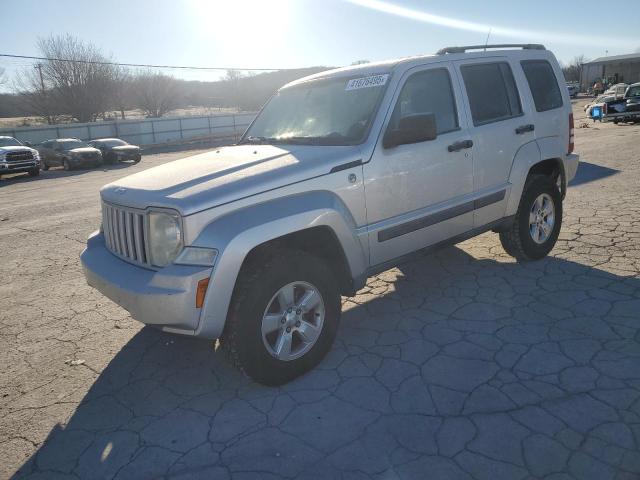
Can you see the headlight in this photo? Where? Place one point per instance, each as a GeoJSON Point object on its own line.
{"type": "Point", "coordinates": [36, 155]}
{"type": "Point", "coordinates": [165, 237]}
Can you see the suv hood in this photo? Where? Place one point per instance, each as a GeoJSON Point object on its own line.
{"type": "Point", "coordinates": [82, 150]}
{"type": "Point", "coordinates": [221, 176]}
{"type": "Point", "coordinates": [125, 148]}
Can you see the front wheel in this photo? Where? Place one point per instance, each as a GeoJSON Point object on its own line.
{"type": "Point", "coordinates": [34, 172]}
{"type": "Point", "coordinates": [66, 165]}
{"type": "Point", "coordinates": [537, 223]}
{"type": "Point", "coordinates": [283, 317]}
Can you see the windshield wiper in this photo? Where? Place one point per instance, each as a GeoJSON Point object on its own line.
{"type": "Point", "coordinates": [329, 139]}
{"type": "Point", "coordinates": [258, 140]}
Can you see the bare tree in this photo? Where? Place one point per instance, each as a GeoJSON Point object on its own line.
{"type": "Point", "coordinates": [3, 79]}
{"type": "Point", "coordinates": [155, 93]}
{"type": "Point", "coordinates": [232, 79]}
{"type": "Point", "coordinates": [72, 81]}
{"type": "Point", "coordinates": [573, 70]}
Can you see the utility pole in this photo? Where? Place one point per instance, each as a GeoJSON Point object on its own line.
{"type": "Point", "coordinates": [39, 67]}
{"type": "Point", "coordinates": [44, 94]}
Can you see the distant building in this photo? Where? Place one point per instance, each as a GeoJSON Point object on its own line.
{"type": "Point", "coordinates": [614, 69]}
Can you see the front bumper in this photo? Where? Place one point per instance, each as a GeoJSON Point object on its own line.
{"type": "Point", "coordinates": [81, 161]}
{"type": "Point", "coordinates": [163, 298]}
{"type": "Point", "coordinates": [123, 157]}
{"type": "Point", "coordinates": [18, 167]}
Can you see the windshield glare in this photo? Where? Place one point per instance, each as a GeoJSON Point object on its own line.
{"type": "Point", "coordinates": [634, 91]}
{"type": "Point", "coordinates": [113, 143]}
{"type": "Point", "coordinates": [9, 142]}
{"type": "Point", "coordinates": [322, 112]}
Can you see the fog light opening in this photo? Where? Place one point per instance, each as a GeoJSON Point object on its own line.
{"type": "Point", "coordinates": [201, 292]}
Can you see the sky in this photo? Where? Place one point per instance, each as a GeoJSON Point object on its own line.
{"type": "Point", "coordinates": [300, 33]}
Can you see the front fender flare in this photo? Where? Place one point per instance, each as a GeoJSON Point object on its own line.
{"type": "Point", "coordinates": [234, 235]}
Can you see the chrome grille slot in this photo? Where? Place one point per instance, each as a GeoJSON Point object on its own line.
{"type": "Point", "coordinates": [19, 156]}
{"type": "Point", "coordinates": [124, 233]}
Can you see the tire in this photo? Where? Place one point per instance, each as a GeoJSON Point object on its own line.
{"type": "Point", "coordinates": [34, 172]}
{"type": "Point", "coordinates": [255, 296]}
{"type": "Point", "coordinates": [44, 166]}
{"type": "Point", "coordinates": [66, 165]}
{"type": "Point", "coordinates": [519, 240]}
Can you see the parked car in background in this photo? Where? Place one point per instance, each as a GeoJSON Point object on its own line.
{"type": "Point", "coordinates": [619, 109]}
{"type": "Point", "coordinates": [115, 150]}
{"type": "Point", "coordinates": [18, 158]}
{"type": "Point", "coordinates": [340, 176]}
{"type": "Point", "coordinates": [573, 90]}
{"type": "Point", "coordinates": [68, 153]}
{"type": "Point", "coordinates": [617, 90]}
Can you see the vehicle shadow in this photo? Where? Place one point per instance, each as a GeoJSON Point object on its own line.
{"type": "Point", "coordinates": [167, 405]}
{"type": "Point", "coordinates": [590, 172]}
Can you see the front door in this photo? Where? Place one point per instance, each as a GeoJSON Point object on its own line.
{"type": "Point", "coordinates": [419, 194]}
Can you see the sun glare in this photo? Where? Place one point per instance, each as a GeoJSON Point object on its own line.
{"type": "Point", "coordinates": [246, 28]}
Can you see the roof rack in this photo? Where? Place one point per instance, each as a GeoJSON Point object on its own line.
{"type": "Point", "coordinates": [524, 46]}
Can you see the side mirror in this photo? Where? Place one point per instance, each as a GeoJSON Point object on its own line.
{"type": "Point", "coordinates": [420, 127]}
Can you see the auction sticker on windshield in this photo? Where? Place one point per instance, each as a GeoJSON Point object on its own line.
{"type": "Point", "coordinates": [367, 82]}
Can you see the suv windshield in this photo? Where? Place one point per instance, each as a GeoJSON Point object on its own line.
{"type": "Point", "coordinates": [113, 143]}
{"type": "Point", "coordinates": [9, 142]}
{"type": "Point", "coordinates": [71, 144]}
{"type": "Point", "coordinates": [336, 111]}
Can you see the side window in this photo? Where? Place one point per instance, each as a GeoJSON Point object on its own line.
{"type": "Point", "coordinates": [543, 84]}
{"type": "Point", "coordinates": [492, 92]}
{"type": "Point", "coordinates": [428, 92]}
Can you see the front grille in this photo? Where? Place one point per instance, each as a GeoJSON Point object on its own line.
{"type": "Point", "coordinates": [124, 233]}
{"type": "Point", "coordinates": [19, 156]}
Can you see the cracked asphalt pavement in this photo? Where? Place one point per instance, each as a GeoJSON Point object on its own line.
{"type": "Point", "coordinates": [459, 365]}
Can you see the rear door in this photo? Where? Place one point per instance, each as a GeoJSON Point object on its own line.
{"type": "Point", "coordinates": [500, 127]}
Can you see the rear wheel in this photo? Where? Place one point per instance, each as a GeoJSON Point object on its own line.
{"type": "Point", "coordinates": [283, 318]}
{"type": "Point", "coordinates": [537, 223]}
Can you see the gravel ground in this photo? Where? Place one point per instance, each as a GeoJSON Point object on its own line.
{"type": "Point", "coordinates": [462, 364]}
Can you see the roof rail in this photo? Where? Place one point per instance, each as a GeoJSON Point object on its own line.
{"type": "Point", "coordinates": [524, 46]}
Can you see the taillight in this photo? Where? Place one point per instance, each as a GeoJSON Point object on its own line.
{"type": "Point", "coordinates": [571, 133]}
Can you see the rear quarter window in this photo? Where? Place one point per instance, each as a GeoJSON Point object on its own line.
{"type": "Point", "coordinates": [543, 84]}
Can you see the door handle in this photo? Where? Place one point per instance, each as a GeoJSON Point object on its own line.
{"type": "Point", "coordinates": [457, 146]}
{"type": "Point", "coordinates": [525, 128]}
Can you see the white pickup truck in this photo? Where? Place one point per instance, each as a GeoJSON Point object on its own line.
{"type": "Point", "coordinates": [18, 158]}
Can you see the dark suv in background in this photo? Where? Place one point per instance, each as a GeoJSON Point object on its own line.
{"type": "Point", "coordinates": [68, 153]}
{"type": "Point", "coordinates": [115, 150]}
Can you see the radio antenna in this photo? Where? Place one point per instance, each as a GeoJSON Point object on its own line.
{"type": "Point", "coordinates": [486, 42]}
